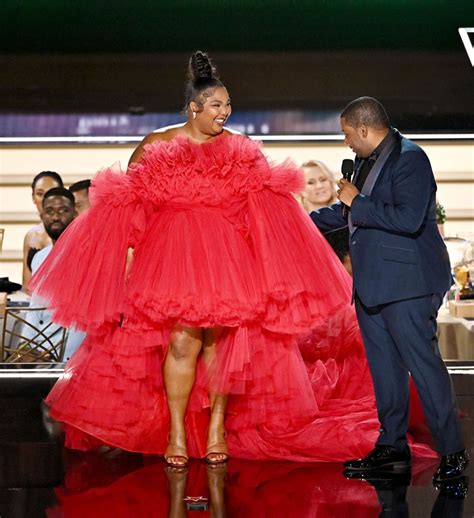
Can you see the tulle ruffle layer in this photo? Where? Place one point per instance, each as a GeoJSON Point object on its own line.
{"type": "Point", "coordinates": [263, 262]}
{"type": "Point", "coordinates": [211, 270]}
{"type": "Point", "coordinates": [83, 277]}
{"type": "Point", "coordinates": [286, 400]}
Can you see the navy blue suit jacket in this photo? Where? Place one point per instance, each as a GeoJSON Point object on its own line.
{"type": "Point", "coordinates": [396, 250]}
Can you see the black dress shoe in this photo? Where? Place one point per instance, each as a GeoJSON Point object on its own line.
{"type": "Point", "coordinates": [382, 457]}
{"type": "Point", "coordinates": [451, 466]}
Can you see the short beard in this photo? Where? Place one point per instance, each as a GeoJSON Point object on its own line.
{"type": "Point", "coordinates": [55, 233]}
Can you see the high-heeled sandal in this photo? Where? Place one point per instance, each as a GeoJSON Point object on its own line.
{"type": "Point", "coordinates": [180, 455]}
{"type": "Point", "coordinates": [213, 450]}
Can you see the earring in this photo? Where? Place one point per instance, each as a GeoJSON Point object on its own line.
{"type": "Point", "coordinates": [194, 115]}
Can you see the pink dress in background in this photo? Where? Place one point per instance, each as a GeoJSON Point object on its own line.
{"type": "Point", "coordinates": [218, 240]}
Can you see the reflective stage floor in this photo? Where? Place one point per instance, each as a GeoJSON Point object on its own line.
{"type": "Point", "coordinates": [39, 478]}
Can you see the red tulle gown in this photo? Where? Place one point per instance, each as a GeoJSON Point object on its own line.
{"type": "Point", "coordinates": [218, 240]}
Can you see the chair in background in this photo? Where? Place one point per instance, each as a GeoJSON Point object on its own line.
{"type": "Point", "coordinates": [24, 342]}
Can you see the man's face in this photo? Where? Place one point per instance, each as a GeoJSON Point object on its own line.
{"type": "Point", "coordinates": [357, 138]}
{"type": "Point", "coordinates": [58, 212]}
{"type": "Point", "coordinates": [81, 201]}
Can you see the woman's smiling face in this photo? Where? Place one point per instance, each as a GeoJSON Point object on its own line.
{"type": "Point", "coordinates": [215, 111]}
{"type": "Point", "coordinates": [319, 190]}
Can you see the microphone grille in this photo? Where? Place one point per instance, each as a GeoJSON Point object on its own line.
{"type": "Point", "coordinates": [347, 167]}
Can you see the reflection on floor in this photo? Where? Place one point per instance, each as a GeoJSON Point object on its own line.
{"type": "Point", "coordinates": [39, 478]}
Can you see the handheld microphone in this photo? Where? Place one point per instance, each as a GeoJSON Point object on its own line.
{"type": "Point", "coordinates": [347, 169]}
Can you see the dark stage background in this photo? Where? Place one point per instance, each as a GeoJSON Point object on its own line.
{"type": "Point", "coordinates": [129, 56]}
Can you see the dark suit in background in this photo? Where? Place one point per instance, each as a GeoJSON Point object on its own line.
{"type": "Point", "coordinates": [401, 271]}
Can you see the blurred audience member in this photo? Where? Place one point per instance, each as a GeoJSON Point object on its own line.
{"type": "Point", "coordinates": [81, 195]}
{"type": "Point", "coordinates": [320, 190]}
{"type": "Point", "coordinates": [58, 212]}
{"type": "Point", "coordinates": [36, 238]}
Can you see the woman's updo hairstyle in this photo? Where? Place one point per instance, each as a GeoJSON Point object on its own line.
{"type": "Point", "coordinates": [202, 77]}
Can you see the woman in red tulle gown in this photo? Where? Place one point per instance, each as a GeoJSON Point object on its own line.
{"type": "Point", "coordinates": [234, 311]}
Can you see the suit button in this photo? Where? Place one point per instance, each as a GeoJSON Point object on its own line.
{"type": "Point", "coordinates": [354, 242]}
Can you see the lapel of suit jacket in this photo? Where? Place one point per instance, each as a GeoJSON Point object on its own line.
{"type": "Point", "coordinates": [375, 173]}
{"type": "Point", "coordinates": [378, 166]}
{"type": "Point", "coordinates": [357, 168]}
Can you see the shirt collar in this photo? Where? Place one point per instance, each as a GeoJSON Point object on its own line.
{"type": "Point", "coordinates": [385, 142]}
{"type": "Point", "coordinates": [378, 150]}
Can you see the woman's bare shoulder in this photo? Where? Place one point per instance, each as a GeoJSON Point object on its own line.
{"type": "Point", "coordinates": [164, 134]}
{"type": "Point", "coordinates": [34, 231]}
{"type": "Point", "coordinates": [229, 132]}
{"type": "Point", "coordinates": [168, 133]}
{"type": "Point", "coordinates": [36, 237]}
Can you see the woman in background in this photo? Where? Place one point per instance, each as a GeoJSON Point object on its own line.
{"type": "Point", "coordinates": [320, 191]}
{"type": "Point", "coordinates": [320, 186]}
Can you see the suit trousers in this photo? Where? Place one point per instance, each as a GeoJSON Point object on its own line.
{"type": "Point", "coordinates": [400, 340]}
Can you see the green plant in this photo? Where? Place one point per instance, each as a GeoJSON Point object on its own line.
{"type": "Point", "coordinates": [440, 214]}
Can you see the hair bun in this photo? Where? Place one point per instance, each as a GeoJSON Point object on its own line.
{"type": "Point", "coordinates": [201, 68]}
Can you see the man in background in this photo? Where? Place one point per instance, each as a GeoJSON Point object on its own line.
{"type": "Point", "coordinates": [80, 190]}
{"type": "Point", "coordinates": [58, 211]}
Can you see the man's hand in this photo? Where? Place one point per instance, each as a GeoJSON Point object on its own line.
{"type": "Point", "coordinates": [347, 192]}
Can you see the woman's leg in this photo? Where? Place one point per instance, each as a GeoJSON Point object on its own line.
{"type": "Point", "coordinates": [217, 451]}
{"type": "Point", "coordinates": [179, 374]}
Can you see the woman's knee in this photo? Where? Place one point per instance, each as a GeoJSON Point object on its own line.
{"type": "Point", "coordinates": [185, 343]}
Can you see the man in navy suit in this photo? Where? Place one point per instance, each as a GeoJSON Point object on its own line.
{"type": "Point", "coordinates": [401, 271]}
